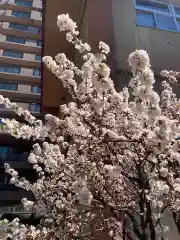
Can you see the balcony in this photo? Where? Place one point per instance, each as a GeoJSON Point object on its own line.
{"type": "Point", "coordinates": [17, 20]}
{"type": "Point", "coordinates": [19, 33]}
{"type": "Point", "coordinates": [17, 209]}
{"type": "Point", "coordinates": [9, 113]}
{"type": "Point", "coordinates": [20, 62]}
{"type": "Point", "coordinates": [21, 79]}
{"type": "Point", "coordinates": [15, 7]}
{"type": "Point", "coordinates": [16, 96]}
{"type": "Point", "coordinates": [20, 47]}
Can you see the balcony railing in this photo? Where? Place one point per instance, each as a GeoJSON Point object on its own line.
{"type": "Point", "coordinates": [19, 33]}
{"type": "Point", "coordinates": [23, 48]}
{"type": "Point", "coordinates": [28, 22]}
{"type": "Point", "coordinates": [17, 209]}
{"type": "Point", "coordinates": [16, 7]}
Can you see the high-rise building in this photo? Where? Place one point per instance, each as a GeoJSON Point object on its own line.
{"type": "Point", "coordinates": [126, 25]}
{"type": "Point", "coordinates": [20, 52]}
{"type": "Point", "coordinates": [20, 81]}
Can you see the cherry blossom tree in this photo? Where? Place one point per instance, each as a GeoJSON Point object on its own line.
{"type": "Point", "coordinates": [110, 164]}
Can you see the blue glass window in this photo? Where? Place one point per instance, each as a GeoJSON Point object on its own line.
{"type": "Point", "coordinates": [23, 3]}
{"type": "Point", "coordinates": [9, 69]}
{"type": "Point", "coordinates": [152, 5]}
{"type": "Point", "coordinates": [20, 14]}
{"type": "Point", "coordinates": [15, 39]}
{"type": "Point", "coordinates": [145, 19]}
{"type": "Point", "coordinates": [18, 27]}
{"type": "Point", "coordinates": [8, 86]}
{"type": "Point", "coordinates": [177, 10]}
{"type": "Point", "coordinates": [12, 54]}
{"type": "Point", "coordinates": [38, 57]}
{"type": "Point", "coordinates": [35, 89]}
{"type": "Point", "coordinates": [39, 43]}
{"type": "Point", "coordinates": [34, 107]}
{"type": "Point", "coordinates": [157, 14]}
{"type": "Point", "coordinates": [178, 24]}
{"type": "Point", "coordinates": [36, 72]}
{"type": "Point", "coordinates": [165, 22]}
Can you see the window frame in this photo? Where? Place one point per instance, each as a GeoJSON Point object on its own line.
{"type": "Point", "coordinates": [8, 84]}
{"type": "Point", "coordinates": [38, 87]}
{"type": "Point", "coordinates": [36, 105]}
{"type": "Point", "coordinates": [34, 70]}
{"type": "Point", "coordinates": [11, 72]}
{"type": "Point", "coordinates": [12, 52]}
{"type": "Point", "coordinates": [155, 12]}
{"type": "Point", "coordinates": [146, 12]}
{"type": "Point", "coordinates": [17, 38]}
{"type": "Point", "coordinates": [37, 57]}
{"type": "Point", "coordinates": [39, 43]}
{"type": "Point", "coordinates": [26, 3]}
{"type": "Point", "coordinates": [18, 13]}
{"type": "Point", "coordinates": [15, 24]}
{"type": "Point", "coordinates": [173, 9]}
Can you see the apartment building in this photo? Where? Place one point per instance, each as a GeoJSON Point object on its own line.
{"type": "Point", "coordinates": [20, 81]}
{"type": "Point", "coordinates": [126, 25]}
{"type": "Point", "coordinates": [20, 52]}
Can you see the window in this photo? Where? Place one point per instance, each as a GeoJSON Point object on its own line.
{"type": "Point", "coordinates": [13, 54]}
{"type": "Point", "coordinates": [20, 14]}
{"type": "Point", "coordinates": [9, 69]}
{"type": "Point", "coordinates": [165, 22]}
{"type": "Point", "coordinates": [8, 86]}
{"type": "Point", "coordinates": [18, 27]}
{"type": "Point", "coordinates": [156, 14]}
{"type": "Point", "coordinates": [34, 107]}
{"type": "Point", "coordinates": [39, 43]}
{"type": "Point", "coordinates": [145, 18]}
{"type": "Point", "coordinates": [35, 89]}
{"type": "Point", "coordinates": [38, 57]}
{"type": "Point", "coordinates": [178, 24]}
{"type": "Point", "coordinates": [15, 39]}
{"type": "Point", "coordinates": [8, 154]}
{"type": "Point", "coordinates": [152, 5]}
{"type": "Point", "coordinates": [36, 72]}
{"type": "Point", "coordinates": [33, 29]}
{"type": "Point", "coordinates": [23, 3]}
{"type": "Point", "coordinates": [177, 10]}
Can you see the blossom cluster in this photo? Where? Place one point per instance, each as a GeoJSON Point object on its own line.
{"type": "Point", "coordinates": [113, 157]}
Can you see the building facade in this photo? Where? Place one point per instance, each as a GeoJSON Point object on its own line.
{"type": "Point", "coordinates": [20, 81]}
{"type": "Point", "coordinates": [126, 25]}
{"type": "Point", "coordinates": [20, 52]}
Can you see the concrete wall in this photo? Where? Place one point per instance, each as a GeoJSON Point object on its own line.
{"type": "Point", "coordinates": [114, 22]}
{"type": "Point", "coordinates": [94, 26]}
{"type": "Point", "coordinates": [53, 93]}
{"type": "Point", "coordinates": [161, 45]}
